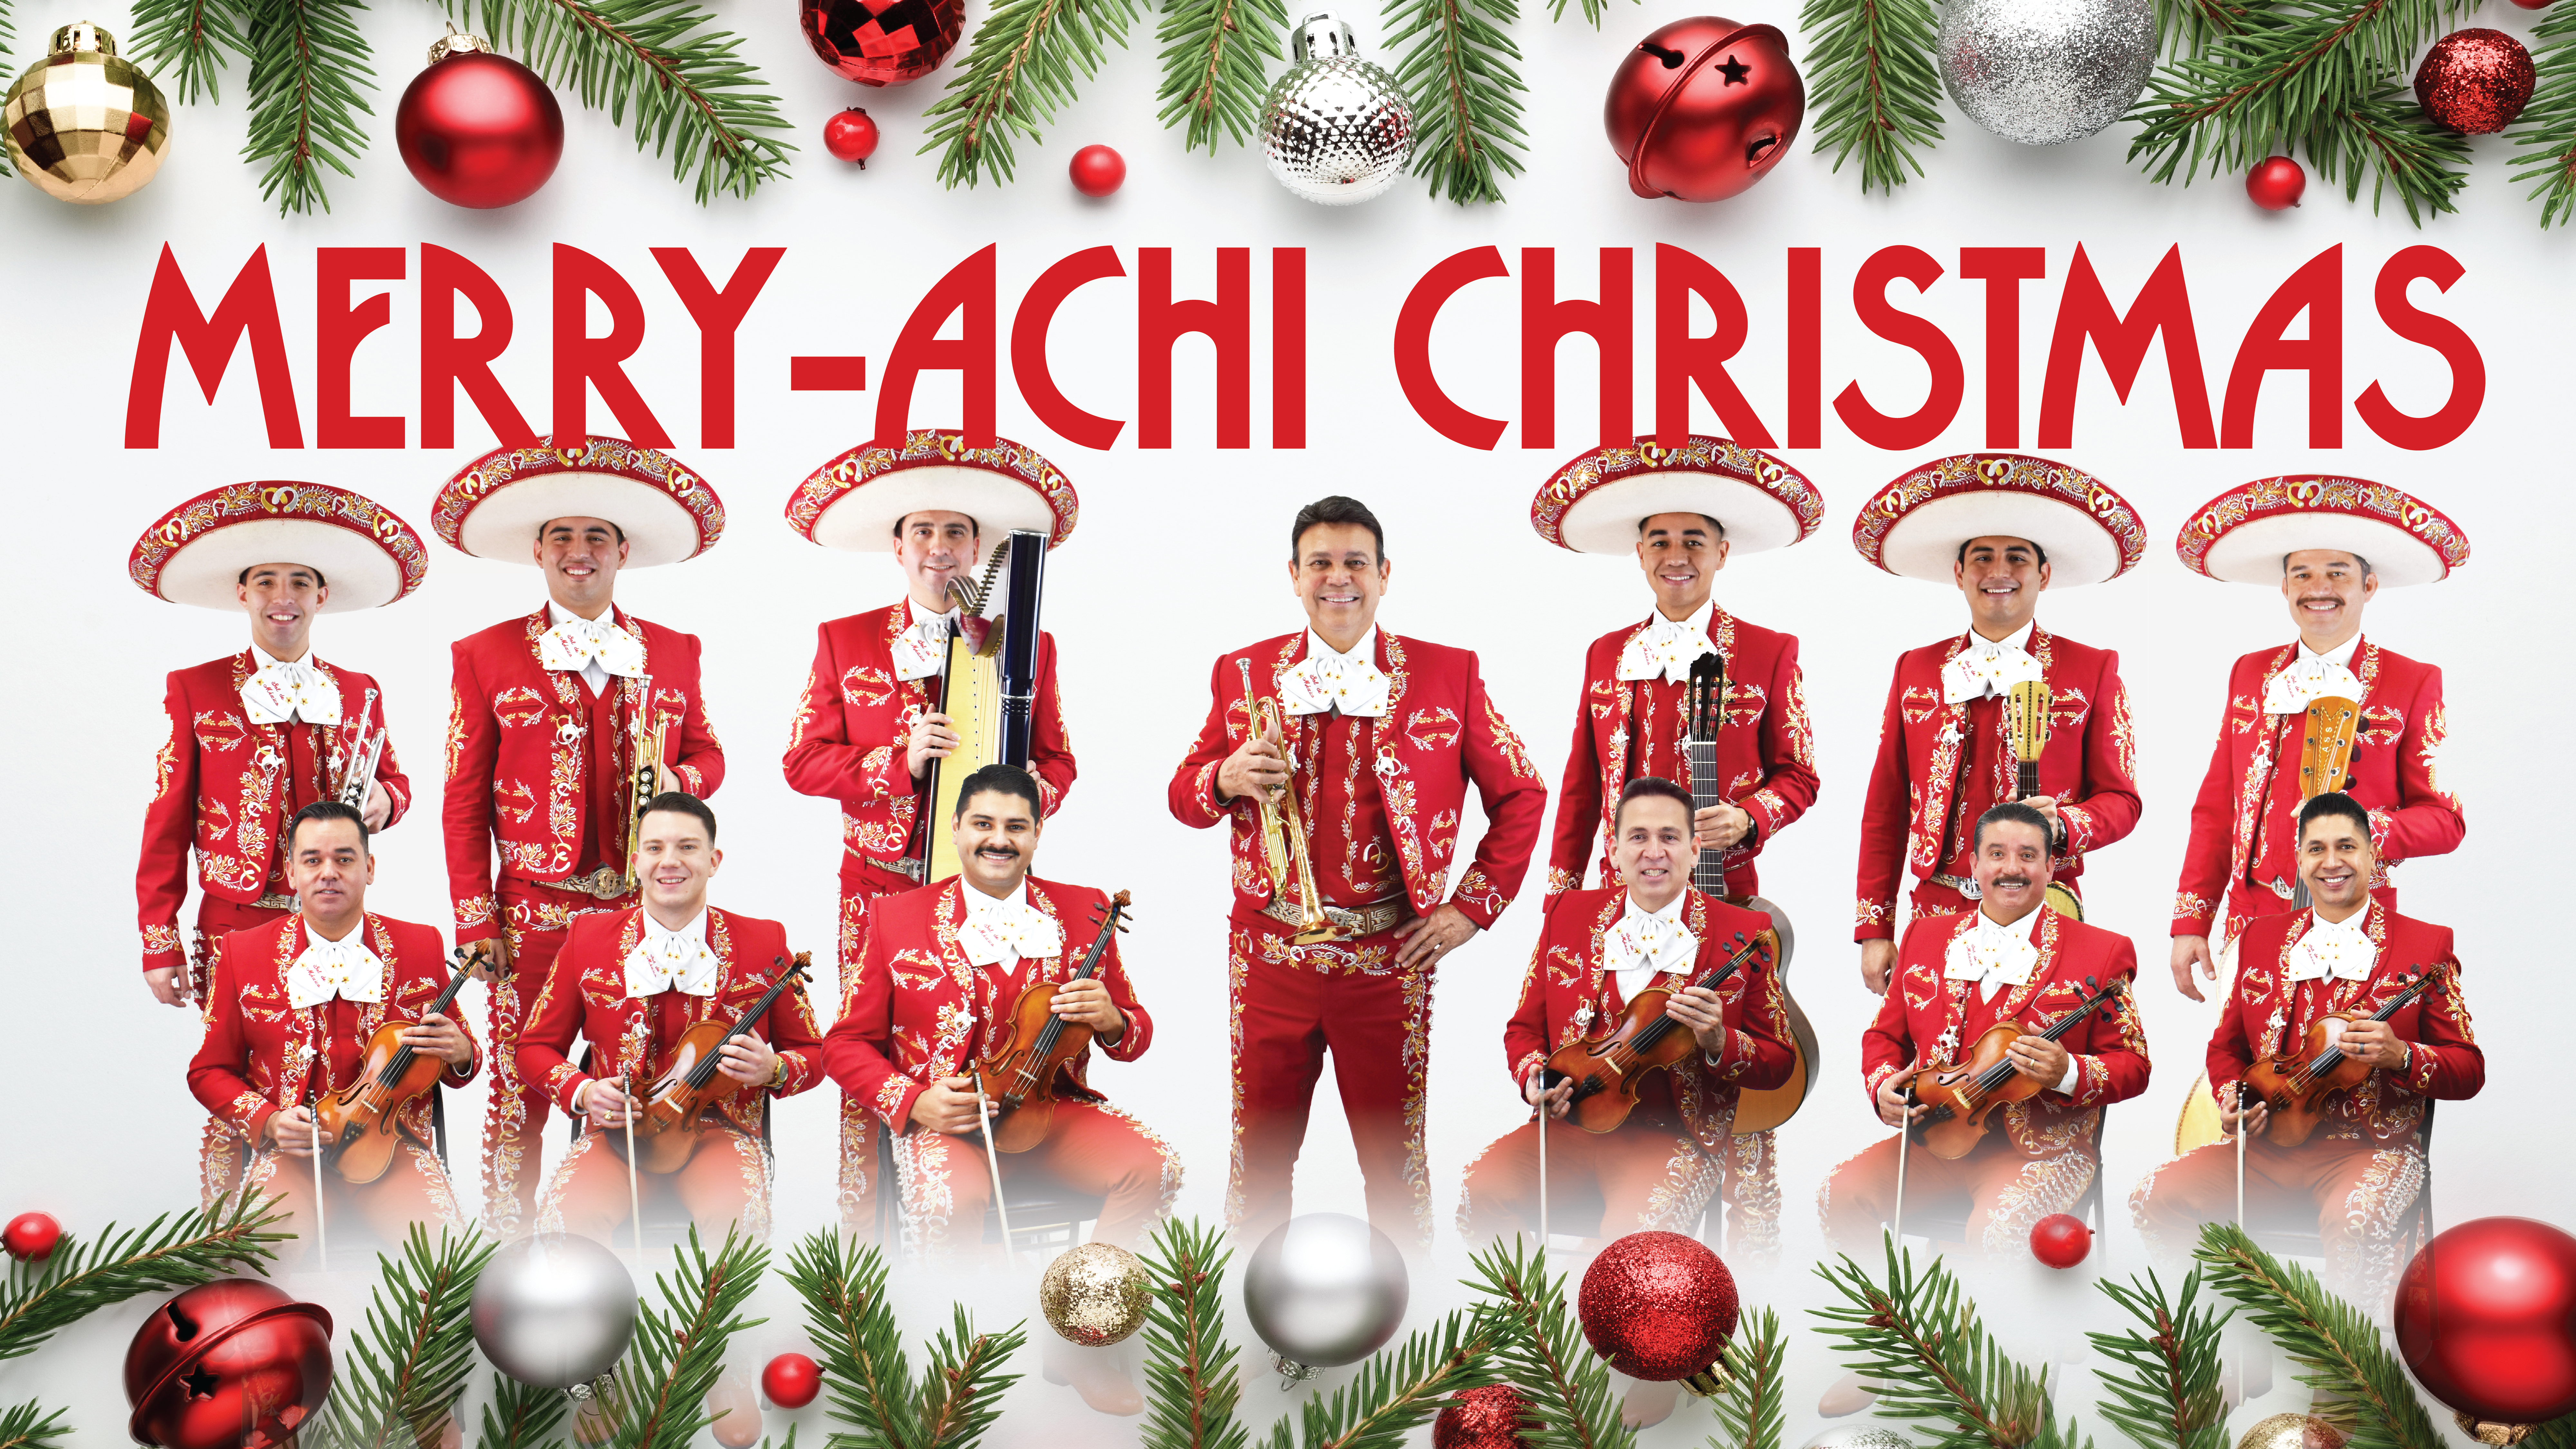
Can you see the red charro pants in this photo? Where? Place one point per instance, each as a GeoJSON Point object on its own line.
{"type": "Point", "coordinates": [724, 1184]}
{"type": "Point", "coordinates": [219, 1150]}
{"type": "Point", "coordinates": [1636, 1178]}
{"type": "Point", "coordinates": [2005, 1191]}
{"type": "Point", "coordinates": [535, 919]}
{"type": "Point", "coordinates": [1093, 1149]}
{"type": "Point", "coordinates": [856, 1196]}
{"type": "Point", "coordinates": [359, 1219]}
{"type": "Point", "coordinates": [2358, 1196]}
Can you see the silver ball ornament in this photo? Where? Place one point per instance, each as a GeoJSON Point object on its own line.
{"type": "Point", "coordinates": [1325, 1290]}
{"type": "Point", "coordinates": [2043, 72]}
{"type": "Point", "coordinates": [554, 1311]}
{"type": "Point", "coordinates": [1862, 1434]}
{"type": "Point", "coordinates": [1335, 128]}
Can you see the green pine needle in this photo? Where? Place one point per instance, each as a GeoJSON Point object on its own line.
{"type": "Point", "coordinates": [1461, 72]}
{"type": "Point", "coordinates": [2544, 137]}
{"type": "Point", "coordinates": [1934, 1362]}
{"type": "Point", "coordinates": [1024, 62]}
{"type": "Point", "coordinates": [962, 1385]}
{"type": "Point", "coordinates": [1191, 1385]}
{"type": "Point", "coordinates": [182, 43]}
{"type": "Point", "coordinates": [2164, 1393]}
{"type": "Point", "coordinates": [1214, 71]}
{"type": "Point", "coordinates": [679, 1347]}
{"type": "Point", "coordinates": [308, 64]}
{"type": "Point", "coordinates": [2367, 1392]}
{"type": "Point", "coordinates": [1398, 1391]}
{"type": "Point", "coordinates": [1593, 10]}
{"type": "Point", "coordinates": [2185, 27]}
{"type": "Point", "coordinates": [1755, 1400]}
{"type": "Point", "coordinates": [1544, 1355]}
{"type": "Point", "coordinates": [521, 1416]}
{"type": "Point", "coordinates": [401, 1379]}
{"type": "Point", "coordinates": [27, 1426]}
{"type": "Point", "coordinates": [867, 1380]}
{"type": "Point", "coordinates": [1872, 87]}
{"type": "Point", "coordinates": [165, 1255]}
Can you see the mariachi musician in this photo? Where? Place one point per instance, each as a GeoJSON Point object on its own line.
{"type": "Point", "coordinates": [2332, 699]}
{"type": "Point", "coordinates": [256, 736]}
{"type": "Point", "coordinates": [1344, 823]}
{"type": "Point", "coordinates": [870, 726]}
{"type": "Point", "coordinates": [564, 722]}
{"type": "Point", "coordinates": [2005, 710]}
{"type": "Point", "coordinates": [2384, 991]}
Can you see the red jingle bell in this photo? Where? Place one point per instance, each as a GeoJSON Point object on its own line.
{"type": "Point", "coordinates": [1486, 1418]}
{"type": "Point", "coordinates": [1703, 108]}
{"type": "Point", "coordinates": [477, 128]}
{"type": "Point", "coordinates": [2060, 1240]}
{"type": "Point", "coordinates": [791, 1380]}
{"type": "Point", "coordinates": [882, 42]}
{"type": "Point", "coordinates": [30, 1237]}
{"type": "Point", "coordinates": [232, 1364]}
{"type": "Point", "coordinates": [2486, 1317]}
{"type": "Point", "coordinates": [1659, 1306]}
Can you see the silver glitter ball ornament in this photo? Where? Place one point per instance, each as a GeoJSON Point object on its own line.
{"type": "Point", "coordinates": [1335, 128]}
{"type": "Point", "coordinates": [554, 1311]}
{"type": "Point", "coordinates": [1860, 1434]}
{"type": "Point", "coordinates": [2043, 72]}
{"type": "Point", "coordinates": [1325, 1290]}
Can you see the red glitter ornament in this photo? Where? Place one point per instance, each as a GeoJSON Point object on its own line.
{"type": "Point", "coordinates": [232, 1364]}
{"type": "Point", "coordinates": [1659, 1306]}
{"type": "Point", "coordinates": [1703, 108]}
{"type": "Point", "coordinates": [478, 129]}
{"type": "Point", "coordinates": [1097, 171]}
{"type": "Point", "coordinates": [2486, 1317]}
{"type": "Point", "coordinates": [2276, 183]}
{"type": "Point", "coordinates": [851, 136]}
{"type": "Point", "coordinates": [791, 1381]}
{"type": "Point", "coordinates": [2475, 81]}
{"type": "Point", "coordinates": [882, 42]}
{"type": "Point", "coordinates": [2060, 1240]}
{"type": "Point", "coordinates": [30, 1237]}
{"type": "Point", "coordinates": [1486, 1418]}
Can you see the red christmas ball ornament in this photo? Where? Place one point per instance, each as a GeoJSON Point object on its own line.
{"type": "Point", "coordinates": [1703, 108]}
{"type": "Point", "coordinates": [2060, 1240]}
{"type": "Point", "coordinates": [2486, 1317]}
{"type": "Point", "coordinates": [2276, 183]}
{"type": "Point", "coordinates": [1097, 171]}
{"type": "Point", "coordinates": [2532, 4]}
{"type": "Point", "coordinates": [851, 136]}
{"type": "Point", "coordinates": [2475, 81]}
{"type": "Point", "coordinates": [1486, 1418]}
{"type": "Point", "coordinates": [232, 1364]}
{"type": "Point", "coordinates": [791, 1381]}
{"type": "Point", "coordinates": [30, 1237]}
{"type": "Point", "coordinates": [882, 42]}
{"type": "Point", "coordinates": [1659, 1306]}
{"type": "Point", "coordinates": [477, 128]}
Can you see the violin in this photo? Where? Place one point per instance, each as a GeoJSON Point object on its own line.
{"type": "Point", "coordinates": [2293, 1087]}
{"type": "Point", "coordinates": [667, 1124]}
{"type": "Point", "coordinates": [1607, 1069]}
{"type": "Point", "coordinates": [1964, 1095]}
{"type": "Point", "coordinates": [363, 1118]}
{"type": "Point", "coordinates": [1019, 1075]}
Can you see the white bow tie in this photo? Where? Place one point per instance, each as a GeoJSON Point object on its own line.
{"type": "Point", "coordinates": [280, 692]}
{"type": "Point", "coordinates": [1986, 667]}
{"type": "Point", "coordinates": [2004, 954]}
{"type": "Point", "coordinates": [1641, 941]}
{"type": "Point", "coordinates": [664, 961]}
{"type": "Point", "coordinates": [1667, 647]}
{"type": "Point", "coordinates": [2328, 949]}
{"type": "Point", "coordinates": [2307, 681]}
{"type": "Point", "coordinates": [1007, 930]}
{"type": "Point", "coordinates": [343, 968]}
{"type": "Point", "coordinates": [576, 644]}
{"type": "Point", "coordinates": [921, 650]}
{"type": "Point", "coordinates": [1325, 680]}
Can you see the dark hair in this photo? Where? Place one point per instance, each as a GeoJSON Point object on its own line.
{"type": "Point", "coordinates": [973, 524]}
{"type": "Point", "coordinates": [1713, 525]}
{"type": "Point", "coordinates": [1005, 779]}
{"type": "Point", "coordinates": [321, 810]}
{"type": "Point", "coordinates": [611, 522]}
{"type": "Point", "coordinates": [2336, 803]}
{"type": "Point", "coordinates": [1652, 787]}
{"type": "Point", "coordinates": [2011, 812]}
{"type": "Point", "coordinates": [2366, 570]}
{"type": "Point", "coordinates": [2034, 547]}
{"type": "Point", "coordinates": [681, 802]}
{"type": "Point", "coordinates": [1335, 509]}
{"type": "Point", "coordinates": [243, 579]}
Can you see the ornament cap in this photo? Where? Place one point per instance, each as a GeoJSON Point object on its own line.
{"type": "Point", "coordinates": [79, 36]}
{"type": "Point", "coordinates": [1323, 34]}
{"type": "Point", "coordinates": [457, 42]}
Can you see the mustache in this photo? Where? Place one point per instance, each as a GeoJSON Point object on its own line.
{"type": "Point", "coordinates": [2013, 882]}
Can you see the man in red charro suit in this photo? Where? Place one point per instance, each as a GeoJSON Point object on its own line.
{"type": "Point", "coordinates": [550, 715]}
{"type": "Point", "coordinates": [292, 1007]}
{"type": "Point", "coordinates": [1384, 735]}
{"type": "Point", "coordinates": [2000, 528]}
{"type": "Point", "coordinates": [2329, 544]}
{"type": "Point", "coordinates": [2356, 1180]}
{"type": "Point", "coordinates": [865, 732]}
{"type": "Point", "coordinates": [255, 737]}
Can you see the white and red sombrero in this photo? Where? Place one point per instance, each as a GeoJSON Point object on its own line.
{"type": "Point", "coordinates": [855, 500]}
{"type": "Point", "coordinates": [2242, 534]}
{"type": "Point", "coordinates": [1594, 503]}
{"type": "Point", "coordinates": [494, 505]}
{"type": "Point", "coordinates": [1914, 526]}
{"type": "Point", "coordinates": [195, 553]}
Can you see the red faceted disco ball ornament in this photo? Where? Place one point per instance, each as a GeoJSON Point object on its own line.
{"type": "Point", "coordinates": [882, 42]}
{"type": "Point", "coordinates": [30, 1237]}
{"type": "Point", "coordinates": [791, 1380]}
{"type": "Point", "coordinates": [1659, 1306]}
{"type": "Point", "coordinates": [2475, 81]}
{"type": "Point", "coordinates": [232, 1364]}
{"type": "Point", "coordinates": [2486, 1317]}
{"type": "Point", "coordinates": [2060, 1240]}
{"type": "Point", "coordinates": [1703, 108]}
{"type": "Point", "coordinates": [2276, 183]}
{"type": "Point", "coordinates": [1486, 1418]}
{"type": "Point", "coordinates": [478, 129]}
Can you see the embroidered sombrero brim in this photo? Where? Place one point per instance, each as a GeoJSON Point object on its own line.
{"type": "Point", "coordinates": [494, 505]}
{"type": "Point", "coordinates": [1914, 526]}
{"type": "Point", "coordinates": [195, 553]}
{"type": "Point", "coordinates": [855, 500]}
{"type": "Point", "coordinates": [1595, 503]}
{"type": "Point", "coordinates": [2244, 534]}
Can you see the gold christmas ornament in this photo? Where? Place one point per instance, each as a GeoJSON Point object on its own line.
{"type": "Point", "coordinates": [83, 124]}
{"type": "Point", "coordinates": [1095, 1295]}
{"type": "Point", "coordinates": [2291, 1431]}
{"type": "Point", "coordinates": [2491, 1433]}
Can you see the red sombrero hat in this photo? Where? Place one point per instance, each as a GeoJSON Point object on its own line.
{"type": "Point", "coordinates": [1594, 503]}
{"type": "Point", "coordinates": [194, 554]}
{"type": "Point", "coordinates": [2242, 534]}
{"type": "Point", "coordinates": [1914, 526]}
{"type": "Point", "coordinates": [494, 505]}
{"type": "Point", "coordinates": [855, 500]}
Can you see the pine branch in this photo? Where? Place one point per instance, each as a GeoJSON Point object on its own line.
{"type": "Point", "coordinates": [27, 1426]}
{"type": "Point", "coordinates": [182, 43]}
{"type": "Point", "coordinates": [2404, 150]}
{"type": "Point", "coordinates": [1024, 62]}
{"type": "Point", "coordinates": [521, 1416]}
{"type": "Point", "coordinates": [2164, 1394]}
{"type": "Point", "coordinates": [1592, 10]}
{"type": "Point", "coordinates": [1461, 72]}
{"type": "Point", "coordinates": [401, 1379]}
{"type": "Point", "coordinates": [851, 1323]}
{"type": "Point", "coordinates": [962, 1386]}
{"type": "Point", "coordinates": [1397, 1392]}
{"type": "Point", "coordinates": [1544, 1355]}
{"type": "Point", "coordinates": [166, 1254]}
{"type": "Point", "coordinates": [694, 98]}
{"type": "Point", "coordinates": [2367, 1391]}
{"type": "Point", "coordinates": [2558, 1433]}
{"type": "Point", "coordinates": [1872, 86]}
{"type": "Point", "coordinates": [2186, 27]}
{"type": "Point", "coordinates": [307, 64]}
{"type": "Point", "coordinates": [679, 1345]}
{"type": "Point", "coordinates": [1213, 71]}
{"type": "Point", "coordinates": [1934, 1361]}
{"type": "Point", "coordinates": [2544, 137]}
{"type": "Point", "coordinates": [1749, 1412]}
{"type": "Point", "coordinates": [1191, 1386]}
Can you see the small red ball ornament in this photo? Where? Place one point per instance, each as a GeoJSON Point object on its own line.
{"type": "Point", "coordinates": [1703, 108]}
{"type": "Point", "coordinates": [2475, 81]}
{"type": "Point", "coordinates": [791, 1381]}
{"type": "Point", "coordinates": [2276, 183]}
{"type": "Point", "coordinates": [2486, 1317]}
{"type": "Point", "coordinates": [1486, 1418]}
{"type": "Point", "coordinates": [2060, 1240]}
{"type": "Point", "coordinates": [882, 42]}
{"type": "Point", "coordinates": [851, 136]}
{"type": "Point", "coordinates": [232, 1364]}
{"type": "Point", "coordinates": [477, 128]}
{"type": "Point", "coordinates": [1097, 171]}
{"type": "Point", "coordinates": [30, 1237]}
{"type": "Point", "coordinates": [1659, 1306]}
{"type": "Point", "coordinates": [2532, 4]}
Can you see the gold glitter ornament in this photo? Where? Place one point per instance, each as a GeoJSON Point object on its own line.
{"type": "Point", "coordinates": [1095, 1295]}
{"type": "Point", "coordinates": [2291, 1431]}
{"type": "Point", "coordinates": [83, 124]}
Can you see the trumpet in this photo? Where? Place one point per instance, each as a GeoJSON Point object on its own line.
{"type": "Point", "coordinates": [1283, 827]}
{"type": "Point", "coordinates": [646, 780]}
{"type": "Point", "coordinates": [359, 780]}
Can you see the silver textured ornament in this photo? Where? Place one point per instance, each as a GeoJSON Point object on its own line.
{"type": "Point", "coordinates": [554, 1311]}
{"type": "Point", "coordinates": [1335, 128]}
{"type": "Point", "coordinates": [1860, 1434]}
{"type": "Point", "coordinates": [2043, 72]}
{"type": "Point", "coordinates": [1325, 1290]}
